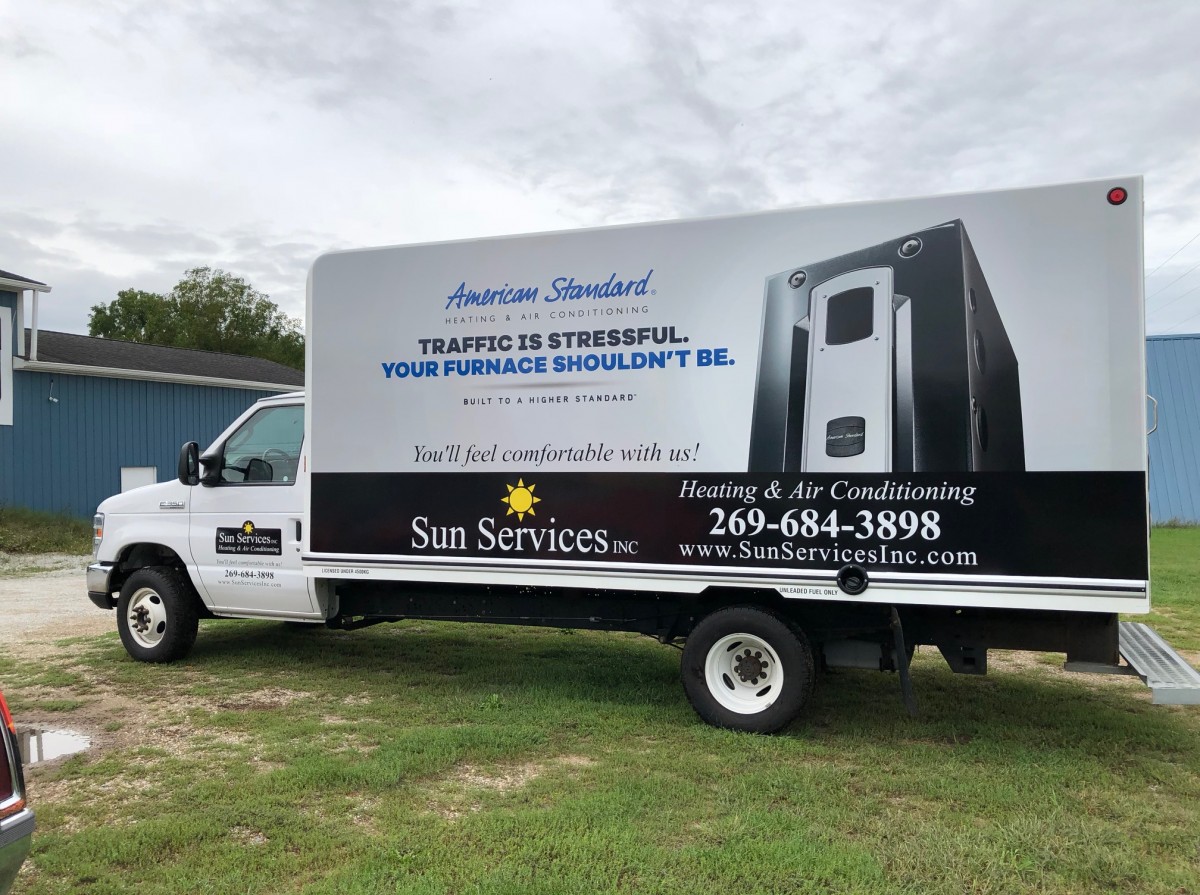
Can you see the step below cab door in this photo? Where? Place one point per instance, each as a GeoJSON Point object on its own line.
{"type": "Point", "coordinates": [246, 516]}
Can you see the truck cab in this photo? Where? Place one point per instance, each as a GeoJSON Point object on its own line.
{"type": "Point", "coordinates": [223, 539]}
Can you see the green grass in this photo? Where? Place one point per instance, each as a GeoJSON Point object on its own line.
{"type": "Point", "coordinates": [25, 531]}
{"type": "Point", "coordinates": [1175, 585]}
{"type": "Point", "coordinates": [433, 758]}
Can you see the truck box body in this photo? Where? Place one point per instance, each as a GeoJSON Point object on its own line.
{"type": "Point", "coordinates": [947, 392]}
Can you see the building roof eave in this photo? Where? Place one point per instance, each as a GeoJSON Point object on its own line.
{"type": "Point", "coordinates": [23, 285]}
{"type": "Point", "coordinates": [35, 366]}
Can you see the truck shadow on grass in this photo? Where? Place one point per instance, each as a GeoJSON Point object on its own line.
{"type": "Point", "coordinates": [444, 673]}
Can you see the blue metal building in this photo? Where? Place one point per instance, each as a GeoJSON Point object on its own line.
{"type": "Point", "coordinates": [1173, 379]}
{"type": "Point", "coordinates": [82, 418]}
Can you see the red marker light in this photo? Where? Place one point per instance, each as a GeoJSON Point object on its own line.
{"type": "Point", "coordinates": [1117, 195]}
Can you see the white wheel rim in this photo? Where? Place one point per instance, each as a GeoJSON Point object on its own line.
{"type": "Point", "coordinates": [743, 673]}
{"type": "Point", "coordinates": [147, 619]}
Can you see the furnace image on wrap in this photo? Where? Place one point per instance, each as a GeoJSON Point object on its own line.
{"type": "Point", "coordinates": [892, 358]}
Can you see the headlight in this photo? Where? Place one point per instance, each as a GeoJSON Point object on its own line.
{"type": "Point", "coordinates": [97, 533]}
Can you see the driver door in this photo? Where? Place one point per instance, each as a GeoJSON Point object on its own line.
{"type": "Point", "coordinates": [246, 516]}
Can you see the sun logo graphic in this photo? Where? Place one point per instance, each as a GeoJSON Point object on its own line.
{"type": "Point", "coordinates": [248, 527]}
{"type": "Point", "coordinates": [520, 499]}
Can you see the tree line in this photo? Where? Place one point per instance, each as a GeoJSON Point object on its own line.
{"type": "Point", "coordinates": [208, 309]}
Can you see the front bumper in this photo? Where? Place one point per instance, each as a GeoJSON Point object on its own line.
{"type": "Point", "coordinates": [99, 575]}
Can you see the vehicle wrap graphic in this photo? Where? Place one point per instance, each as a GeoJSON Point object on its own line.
{"type": "Point", "coordinates": [948, 386]}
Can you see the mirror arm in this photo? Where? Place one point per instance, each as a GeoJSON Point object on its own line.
{"type": "Point", "coordinates": [210, 467]}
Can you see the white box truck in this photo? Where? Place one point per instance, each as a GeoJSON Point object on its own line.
{"type": "Point", "coordinates": [792, 440]}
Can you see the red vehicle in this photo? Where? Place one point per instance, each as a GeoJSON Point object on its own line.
{"type": "Point", "coordinates": [16, 817]}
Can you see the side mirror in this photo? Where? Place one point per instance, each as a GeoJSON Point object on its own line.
{"type": "Point", "coordinates": [189, 464]}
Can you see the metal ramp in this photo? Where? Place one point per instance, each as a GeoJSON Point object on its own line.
{"type": "Point", "coordinates": [1168, 675]}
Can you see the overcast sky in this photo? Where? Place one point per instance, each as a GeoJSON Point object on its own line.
{"type": "Point", "coordinates": [141, 139]}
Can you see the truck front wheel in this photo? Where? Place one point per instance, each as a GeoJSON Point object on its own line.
{"type": "Point", "coordinates": [746, 668]}
{"type": "Point", "coordinates": [157, 615]}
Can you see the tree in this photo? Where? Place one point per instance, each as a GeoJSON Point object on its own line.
{"type": "Point", "coordinates": [208, 309]}
{"type": "Point", "coordinates": [135, 316]}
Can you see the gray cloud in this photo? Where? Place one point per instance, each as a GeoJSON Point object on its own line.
{"type": "Point", "coordinates": [157, 256]}
{"type": "Point", "coordinates": [947, 97]}
{"type": "Point", "coordinates": [254, 134]}
{"type": "Point", "coordinates": [159, 239]}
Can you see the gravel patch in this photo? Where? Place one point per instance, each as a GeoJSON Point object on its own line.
{"type": "Point", "coordinates": [19, 565]}
{"type": "Point", "coordinates": [43, 598]}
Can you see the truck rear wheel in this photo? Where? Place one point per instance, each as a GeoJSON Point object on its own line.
{"type": "Point", "coordinates": [746, 668]}
{"type": "Point", "coordinates": [157, 615]}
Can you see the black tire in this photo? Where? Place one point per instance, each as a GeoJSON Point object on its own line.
{"type": "Point", "coordinates": [746, 668]}
{"type": "Point", "coordinates": [157, 615]}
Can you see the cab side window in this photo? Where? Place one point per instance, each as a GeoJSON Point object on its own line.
{"type": "Point", "coordinates": [266, 448]}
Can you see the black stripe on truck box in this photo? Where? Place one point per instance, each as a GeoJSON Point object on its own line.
{"type": "Point", "coordinates": [1053, 524]}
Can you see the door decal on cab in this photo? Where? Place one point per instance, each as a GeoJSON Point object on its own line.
{"type": "Point", "coordinates": [250, 539]}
